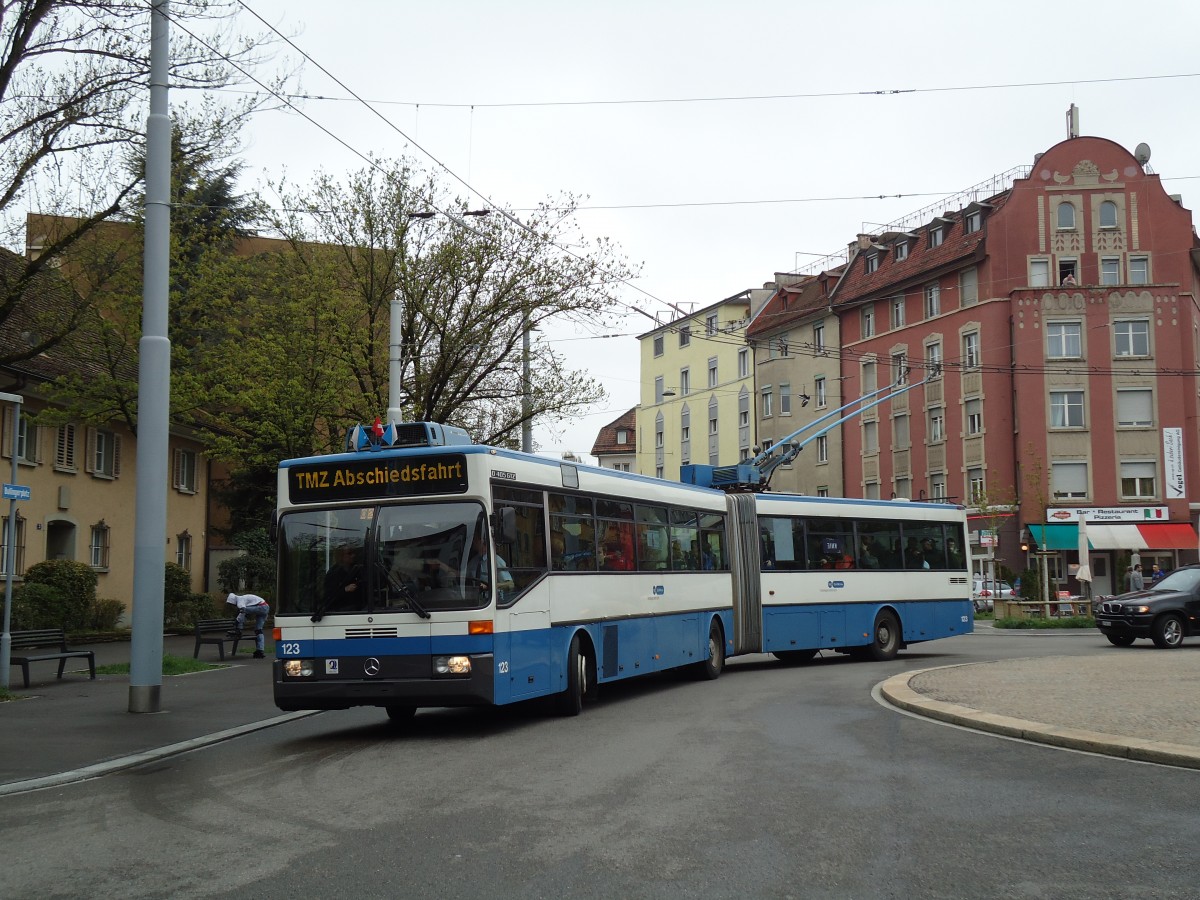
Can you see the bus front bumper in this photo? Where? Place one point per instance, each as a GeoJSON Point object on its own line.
{"type": "Point", "coordinates": [368, 681]}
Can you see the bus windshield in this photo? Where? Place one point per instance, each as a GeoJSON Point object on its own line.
{"type": "Point", "coordinates": [368, 559]}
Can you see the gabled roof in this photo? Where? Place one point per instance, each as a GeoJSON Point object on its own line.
{"type": "Point", "coordinates": [922, 261]}
{"type": "Point", "coordinates": [606, 440]}
{"type": "Point", "coordinates": [792, 303]}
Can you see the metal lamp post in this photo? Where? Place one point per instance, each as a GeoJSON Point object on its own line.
{"type": "Point", "coordinates": [10, 543]}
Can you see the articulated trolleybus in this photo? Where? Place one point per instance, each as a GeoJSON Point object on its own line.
{"type": "Point", "coordinates": [418, 569]}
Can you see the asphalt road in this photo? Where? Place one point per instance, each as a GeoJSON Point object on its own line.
{"type": "Point", "coordinates": [770, 782]}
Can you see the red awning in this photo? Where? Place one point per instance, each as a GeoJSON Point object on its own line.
{"type": "Point", "coordinates": [1168, 536]}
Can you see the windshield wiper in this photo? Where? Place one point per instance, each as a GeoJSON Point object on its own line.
{"type": "Point", "coordinates": [405, 594]}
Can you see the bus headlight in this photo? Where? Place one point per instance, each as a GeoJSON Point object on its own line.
{"type": "Point", "coordinates": [298, 668]}
{"type": "Point", "coordinates": [452, 665]}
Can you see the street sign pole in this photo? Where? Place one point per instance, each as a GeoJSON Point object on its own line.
{"type": "Point", "coordinates": [10, 542]}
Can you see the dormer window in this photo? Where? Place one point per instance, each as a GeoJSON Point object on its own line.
{"type": "Point", "coordinates": [972, 222]}
{"type": "Point", "coordinates": [901, 250]}
{"type": "Point", "coordinates": [936, 236]}
{"type": "Point", "coordinates": [872, 262]}
{"type": "Point", "coordinates": [622, 436]}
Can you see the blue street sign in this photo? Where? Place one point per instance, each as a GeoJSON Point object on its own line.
{"type": "Point", "coordinates": [16, 491]}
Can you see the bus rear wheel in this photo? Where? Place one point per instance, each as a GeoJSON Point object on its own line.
{"type": "Point", "coordinates": [570, 701]}
{"type": "Point", "coordinates": [710, 669]}
{"type": "Point", "coordinates": [885, 643]}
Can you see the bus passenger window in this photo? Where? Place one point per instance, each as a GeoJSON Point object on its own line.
{"type": "Point", "coordinates": [616, 548]}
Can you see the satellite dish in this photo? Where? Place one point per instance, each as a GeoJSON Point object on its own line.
{"type": "Point", "coordinates": [1142, 154]}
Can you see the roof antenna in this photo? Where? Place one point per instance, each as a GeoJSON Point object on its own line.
{"type": "Point", "coordinates": [1072, 122]}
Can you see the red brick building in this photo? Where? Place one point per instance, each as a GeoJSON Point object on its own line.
{"type": "Point", "coordinates": [1057, 323]}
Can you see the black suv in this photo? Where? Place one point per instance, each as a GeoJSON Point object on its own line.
{"type": "Point", "coordinates": [1165, 612]}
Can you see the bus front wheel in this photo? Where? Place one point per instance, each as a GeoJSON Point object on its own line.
{"type": "Point", "coordinates": [885, 643]}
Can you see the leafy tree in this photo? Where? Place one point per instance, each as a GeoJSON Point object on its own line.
{"type": "Point", "coordinates": [72, 108]}
{"type": "Point", "coordinates": [466, 295]}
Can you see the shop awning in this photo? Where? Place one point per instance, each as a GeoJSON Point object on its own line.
{"type": "Point", "coordinates": [1134, 536]}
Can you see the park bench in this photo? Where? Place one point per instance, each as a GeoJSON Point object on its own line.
{"type": "Point", "coordinates": [46, 638]}
{"type": "Point", "coordinates": [220, 632]}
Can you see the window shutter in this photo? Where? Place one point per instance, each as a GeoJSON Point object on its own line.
{"type": "Point", "coordinates": [7, 439]}
{"type": "Point", "coordinates": [65, 451]}
{"type": "Point", "coordinates": [116, 452]}
{"type": "Point", "coordinates": [89, 457]}
{"type": "Point", "coordinates": [178, 476]}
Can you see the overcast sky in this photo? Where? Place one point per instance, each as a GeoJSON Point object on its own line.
{"type": "Point", "coordinates": [716, 134]}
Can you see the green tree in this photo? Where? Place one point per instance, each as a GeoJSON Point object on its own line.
{"type": "Point", "coordinates": [72, 108]}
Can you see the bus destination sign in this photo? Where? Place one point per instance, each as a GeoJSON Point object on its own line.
{"type": "Point", "coordinates": [377, 477]}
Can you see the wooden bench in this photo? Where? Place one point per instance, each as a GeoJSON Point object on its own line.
{"type": "Point", "coordinates": [46, 637]}
{"type": "Point", "coordinates": [220, 632]}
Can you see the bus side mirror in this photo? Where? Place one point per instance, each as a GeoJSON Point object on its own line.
{"type": "Point", "coordinates": [506, 525]}
{"type": "Point", "coordinates": [273, 531]}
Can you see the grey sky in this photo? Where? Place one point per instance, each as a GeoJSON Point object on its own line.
{"type": "Point", "coordinates": [849, 143]}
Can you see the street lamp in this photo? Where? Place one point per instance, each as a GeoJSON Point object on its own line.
{"type": "Point", "coordinates": [10, 541]}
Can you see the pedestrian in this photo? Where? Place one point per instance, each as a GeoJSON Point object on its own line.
{"type": "Point", "coordinates": [1156, 574]}
{"type": "Point", "coordinates": [250, 605]}
{"type": "Point", "coordinates": [1133, 579]}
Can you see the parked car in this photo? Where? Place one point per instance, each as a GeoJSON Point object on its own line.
{"type": "Point", "coordinates": [985, 592]}
{"type": "Point", "coordinates": [1165, 612]}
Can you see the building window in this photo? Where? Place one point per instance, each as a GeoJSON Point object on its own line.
{"type": "Point", "coordinates": [712, 422]}
{"type": "Point", "coordinates": [1039, 273]}
{"type": "Point", "coordinates": [1066, 409]}
{"type": "Point", "coordinates": [744, 363]}
{"type": "Point", "coordinates": [766, 403]}
{"type": "Point", "coordinates": [933, 301]}
{"type": "Point", "coordinates": [974, 411]}
{"type": "Point", "coordinates": [900, 433]}
{"type": "Point", "coordinates": [968, 286]}
{"type": "Point", "coordinates": [658, 345]}
{"type": "Point", "coordinates": [27, 432]}
{"type": "Point", "coordinates": [658, 471]}
{"type": "Point", "coordinates": [64, 453]}
{"type": "Point", "coordinates": [819, 337]}
{"type": "Point", "coordinates": [1064, 340]}
{"type": "Point", "coordinates": [903, 488]}
{"type": "Point", "coordinates": [872, 263]}
{"type": "Point", "coordinates": [685, 382]}
{"type": "Point", "coordinates": [937, 486]}
{"type": "Point", "coordinates": [933, 359]}
{"type": "Point", "coordinates": [659, 426]}
{"type": "Point", "coordinates": [685, 433]}
{"type": "Point", "coordinates": [1066, 217]}
{"type": "Point", "coordinates": [971, 350]}
{"type": "Point", "coordinates": [1135, 408]}
{"type": "Point", "coordinates": [1139, 270]}
{"type": "Point", "coordinates": [869, 381]}
{"type": "Point", "coordinates": [974, 485]}
{"type": "Point", "coordinates": [899, 368]}
{"type": "Point", "coordinates": [18, 544]}
{"type": "Point", "coordinates": [871, 490]}
{"type": "Point", "coordinates": [712, 372]}
{"type": "Point", "coordinates": [98, 548]}
{"type": "Point", "coordinates": [937, 425]}
{"type": "Point", "coordinates": [1108, 214]}
{"type": "Point", "coordinates": [183, 551]}
{"type": "Point", "coordinates": [621, 467]}
{"type": "Point", "coordinates": [685, 335]}
{"type": "Point", "coordinates": [785, 399]}
{"type": "Point", "coordinates": [783, 344]}
{"type": "Point", "coordinates": [868, 321]}
{"type": "Point", "coordinates": [658, 389]}
{"type": "Point", "coordinates": [710, 324]}
{"type": "Point", "coordinates": [1137, 480]}
{"type": "Point", "coordinates": [897, 311]}
{"type": "Point", "coordinates": [104, 453]}
{"type": "Point", "coordinates": [1132, 337]}
{"type": "Point", "coordinates": [823, 448]}
{"type": "Point", "coordinates": [1068, 480]}
{"type": "Point", "coordinates": [870, 437]}
{"type": "Point", "coordinates": [743, 418]}
{"type": "Point", "coordinates": [936, 236]}
{"type": "Point", "coordinates": [1068, 271]}
{"type": "Point", "coordinates": [822, 398]}
{"type": "Point", "coordinates": [1110, 270]}
{"type": "Point", "coordinates": [185, 471]}
{"type": "Point", "coordinates": [822, 492]}
{"type": "Point", "coordinates": [901, 250]}
{"type": "Point", "coordinates": [622, 436]}
{"type": "Point", "coordinates": [972, 222]}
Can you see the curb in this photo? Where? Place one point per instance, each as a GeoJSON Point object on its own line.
{"type": "Point", "coordinates": [136, 759]}
{"type": "Point", "coordinates": [897, 692]}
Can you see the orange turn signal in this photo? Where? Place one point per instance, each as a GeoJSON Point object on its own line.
{"type": "Point", "coordinates": [480, 626]}
{"type": "Point", "coordinates": [277, 634]}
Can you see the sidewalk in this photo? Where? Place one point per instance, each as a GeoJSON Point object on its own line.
{"type": "Point", "coordinates": [1136, 703]}
{"type": "Point", "coordinates": [69, 730]}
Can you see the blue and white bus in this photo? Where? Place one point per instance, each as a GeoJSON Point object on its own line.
{"type": "Point", "coordinates": [419, 569]}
